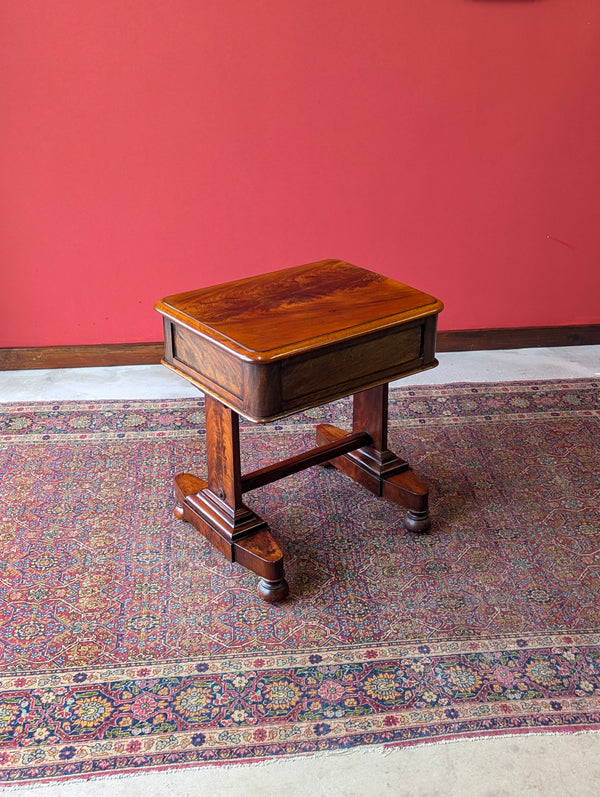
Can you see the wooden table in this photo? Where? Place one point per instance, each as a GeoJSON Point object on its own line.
{"type": "Point", "coordinates": [269, 346]}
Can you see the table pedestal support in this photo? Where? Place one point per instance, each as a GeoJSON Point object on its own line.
{"type": "Point", "coordinates": [375, 466]}
{"type": "Point", "coordinates": [216, 509]}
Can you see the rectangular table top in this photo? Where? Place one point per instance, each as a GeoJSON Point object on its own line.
{"type": "Point", "coordinates": [283, 313]}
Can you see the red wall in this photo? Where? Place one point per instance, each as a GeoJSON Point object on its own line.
{"type": "Point", "coordinates": [152, 146]}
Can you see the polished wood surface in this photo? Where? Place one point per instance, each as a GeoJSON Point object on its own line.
{"type": "Point", "coordinates": [216, 509]}
{"type": "Point", "coordinates": [374, 465]}
{"type": "Point", "coordinates": [275, 344]}
{"type": "Point", "coordinates": [271, 345]}
{"type": "Point", "coordinates": [297, 309]}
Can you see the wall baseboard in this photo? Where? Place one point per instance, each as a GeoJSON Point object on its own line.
{"type": "Point", "coordinates": [518, 338]}
{"type": "Point", "coordinates": [80, 356]}
{"type": "Point", "coordinates": [150, 353]}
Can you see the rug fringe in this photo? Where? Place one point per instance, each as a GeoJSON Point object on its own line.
{"type": "Point", "coordinates": [385, 751]}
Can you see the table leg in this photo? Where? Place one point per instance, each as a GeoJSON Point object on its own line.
{"type": "Point", "coordinates": [375, 466]}
{"type": "Point", "coordinates": [216, 509]}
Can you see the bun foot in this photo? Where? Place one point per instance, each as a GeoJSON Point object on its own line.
{"type": "Point", "coordinates": [417, 522]}
{"type": "Point", "coordinates": [273, 591]}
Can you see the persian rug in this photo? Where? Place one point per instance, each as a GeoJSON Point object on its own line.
{"type": "Point", "coordinates": [128, 643]}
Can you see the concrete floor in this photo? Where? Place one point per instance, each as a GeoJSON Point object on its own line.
{"type": "Point", "coordinates": [156, 381]}
{"type": "Point", "coordinates": [532, 765]}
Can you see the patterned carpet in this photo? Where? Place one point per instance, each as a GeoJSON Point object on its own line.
{"type": "Point", "coordinates": [128, 643]}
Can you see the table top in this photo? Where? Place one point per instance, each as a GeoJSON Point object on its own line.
{"type": "Point", "coordinates": [297, 309]}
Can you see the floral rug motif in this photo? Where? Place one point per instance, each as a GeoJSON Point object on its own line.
{"type": "Point", "coordinates": [128, 643]}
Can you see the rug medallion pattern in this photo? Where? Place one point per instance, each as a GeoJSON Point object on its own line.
{"type": "Point", "coordinates": [127, 642]}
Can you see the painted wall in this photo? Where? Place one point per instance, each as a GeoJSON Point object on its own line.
{"type": "Point", "coordinates": [153, 146]}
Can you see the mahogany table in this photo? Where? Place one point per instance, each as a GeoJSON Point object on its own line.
{"type": "Point", "coordinates": [269, 346]}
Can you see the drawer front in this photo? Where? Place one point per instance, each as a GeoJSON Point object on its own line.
{"type": "Point", "coordinates": [354, 365]}
{"type": "Point", "coordinates": [211, 366]}
{"type": "Point", "coordinates": [264, 391]}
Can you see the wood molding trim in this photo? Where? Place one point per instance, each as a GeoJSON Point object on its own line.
{"type": "Point", "coordinates": [80, 356]}
{"type": "Point", "coordinates": [518, 338]}
{"type": "Point", "coordinates": [151, 353]}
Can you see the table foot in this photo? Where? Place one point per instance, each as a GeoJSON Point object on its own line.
{"type": "Point", "coordinates": [408, 490]}
{"type": "Point", "coordinates": [417, 522]}
{"type": "Point", "coordinates": [384, 474]}
{"type": "Point", "coordinates": [240, 535]}
{"type": "Point", "coordinates": [186, 484]}
{"type": "Point", "coordinates": [273, 591]}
